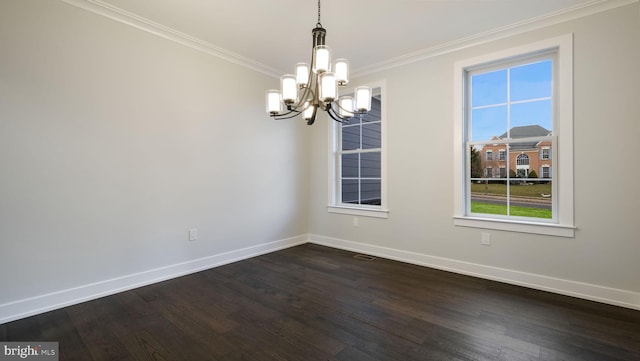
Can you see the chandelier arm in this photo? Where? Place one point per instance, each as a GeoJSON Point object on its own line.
{"type": "Point", "coordinates": [346, 110]}
{"type": "Point", "coordinates": [335, 116]}
{"type": "Point", "coordinates": [293, 111]}
{"type": "Point", "coordinates": [305, 97]}
{"type": "Point", "coordinates": [288, 115]}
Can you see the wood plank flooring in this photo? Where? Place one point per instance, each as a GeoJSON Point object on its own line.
{"type": "Point", "coordinates": [316, 303]}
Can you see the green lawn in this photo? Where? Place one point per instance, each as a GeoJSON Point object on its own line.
{"type": "Point", "coordinates": [533, 190]}
{"type": "Point", "coordinates": [480, 207]}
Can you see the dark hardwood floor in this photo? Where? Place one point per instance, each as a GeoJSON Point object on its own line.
{"type": "Point", "coordinates": [316, 303]}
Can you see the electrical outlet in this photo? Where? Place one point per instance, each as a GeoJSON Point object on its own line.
{"type": "Point", "coordinates": [486, 239]}
{"type": "Point", "coordinates": [355, 221]}
{"type": "Point", "coordinates": [193, 234]}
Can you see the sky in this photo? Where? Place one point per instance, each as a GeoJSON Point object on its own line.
{"type": "Point", "coordinates": [506, 98]}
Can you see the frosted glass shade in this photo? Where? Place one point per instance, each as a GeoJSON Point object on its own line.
{"type": "Point", "coordinates": [274, 105]}
{"type": "Point", "coordinates": [322, 59]}
{"type": "Point", "coordinates": [289, 88]}
{"type": "Point", "coordinates": [302, 73]}
{"type": "Point", "coordinates": [363, 99]}
{"type": "Point", "coordinates": [342, 72]}
{"type": "Point", "coordinates": [308, 111]}
{"type": "Point", "coordinates": [328, 87]}
{"type": "Point", "coordinates": [345, 108]}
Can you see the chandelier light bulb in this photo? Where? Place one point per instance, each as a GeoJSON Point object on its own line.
{"type": "Point", "coordinates": [322, 61]}
{"type": "Point", "coordinates": [308, 112]}
{"type": "Point", "coordinates": [345, 108]}
{"type": "Point", "coordinates": [274, 104]}
{"type": "Point", "coordinates": [302, 73]}
{"type": "Point", "coordinates": [328, 87]}
{"type": "Point", "coordinates": [289, 89]}
{"type": "Point", "coordinates": [363, 99]}
{"type": "Point", "coordinates": [342, 71]}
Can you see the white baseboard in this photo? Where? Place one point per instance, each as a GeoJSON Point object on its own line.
{"type": "Point", "coordinates": [587, 291]}
{"type": "Point", "coordinates": [42, 303]}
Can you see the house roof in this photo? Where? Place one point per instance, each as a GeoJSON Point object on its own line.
{"type": "Point", "coordinates": [526, 131]}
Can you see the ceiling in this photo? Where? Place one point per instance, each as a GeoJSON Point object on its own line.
{"type": "Point", "coordinates": [277, 33]}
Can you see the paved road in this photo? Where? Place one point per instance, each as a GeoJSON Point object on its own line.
{"type": "Point", "coordinates": [542, 203]}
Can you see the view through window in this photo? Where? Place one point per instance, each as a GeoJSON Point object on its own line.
{"type": "Point", "coordinates": [359, 153]}
{"type": "Point", "coordinates": [510, 139]}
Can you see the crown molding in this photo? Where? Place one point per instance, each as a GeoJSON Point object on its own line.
{"type": "Point", "coordinates": [109, 11]}
{"type": "Point", "coordinates": [582, 10]}
{"type": "Point", "coordinates": [571, 13]}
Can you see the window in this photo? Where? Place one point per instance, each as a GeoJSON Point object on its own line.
{"type": "Point", "coordinates": [519, 100]}
{"type": "Point", "coordinates": [358, 162]}
{"type": "Point", "coordinates": [545, 153]}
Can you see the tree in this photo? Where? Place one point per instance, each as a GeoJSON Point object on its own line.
{"type": "Point", "coordinates": [476, 163]}
{"type": "Point", "coordinates": [533, 174]}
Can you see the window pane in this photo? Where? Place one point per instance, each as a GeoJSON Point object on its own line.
{"type": "Point", "coordinates": [532, 113]}
{"type": "Point", "coordinates": [489, 197]}
{"type": "Point", "coordinates": [350, 192]}
{"type": "Point", "coordinates": [351, 137]}
{"type": "Point", "coordinates": [525, 160]}
{"type": "Point", "coordinates": [370, 166]}
{"type": "Point", "coordinates": [489, 88]}
{"type": "Point", "coordinates": [371, 136]}
{"type": "Point", "coordinates": [531, 81]}
{"type": "Point", "coordinates": [350, 165]}
{"type": "Point", "coordinates": [371, 190]}
{"type": "Point", "coordinates": [530, 199]}
{"type": "Point", "coordinates": [488, 122]}
{"type": "Point", "coordinates": [476, 162]}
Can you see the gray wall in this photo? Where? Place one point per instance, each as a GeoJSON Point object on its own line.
{"type": "Point", "coordinates": [601, 262]}
{"type": "Point", "coordinates": [114, 142]}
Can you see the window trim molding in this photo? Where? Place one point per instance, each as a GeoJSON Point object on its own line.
{"type": "Point", "coordinates": [332, 130]}
{"type": "Point", "coordinates": [563, 128]}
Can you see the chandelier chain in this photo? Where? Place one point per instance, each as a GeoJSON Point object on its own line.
{"type": "Point", "coordinates": [319, 24]}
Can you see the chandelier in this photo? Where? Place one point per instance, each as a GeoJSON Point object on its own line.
{"type": "Point", "coordinates": [315, 86]}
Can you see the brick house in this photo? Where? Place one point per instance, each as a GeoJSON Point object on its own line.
{"type": "Point", "coordinates": [523, 157]}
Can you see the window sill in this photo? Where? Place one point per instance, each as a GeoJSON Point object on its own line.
{"type": "Point", "coordinates": [359, 211]}
{"type": "Point", "coordinates": [516, 226]}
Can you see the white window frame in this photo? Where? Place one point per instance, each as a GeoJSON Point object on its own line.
{"type": "Point", "coordinates": [334, 205]}
{"type": "Point", "coordinates": [563, 224]}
